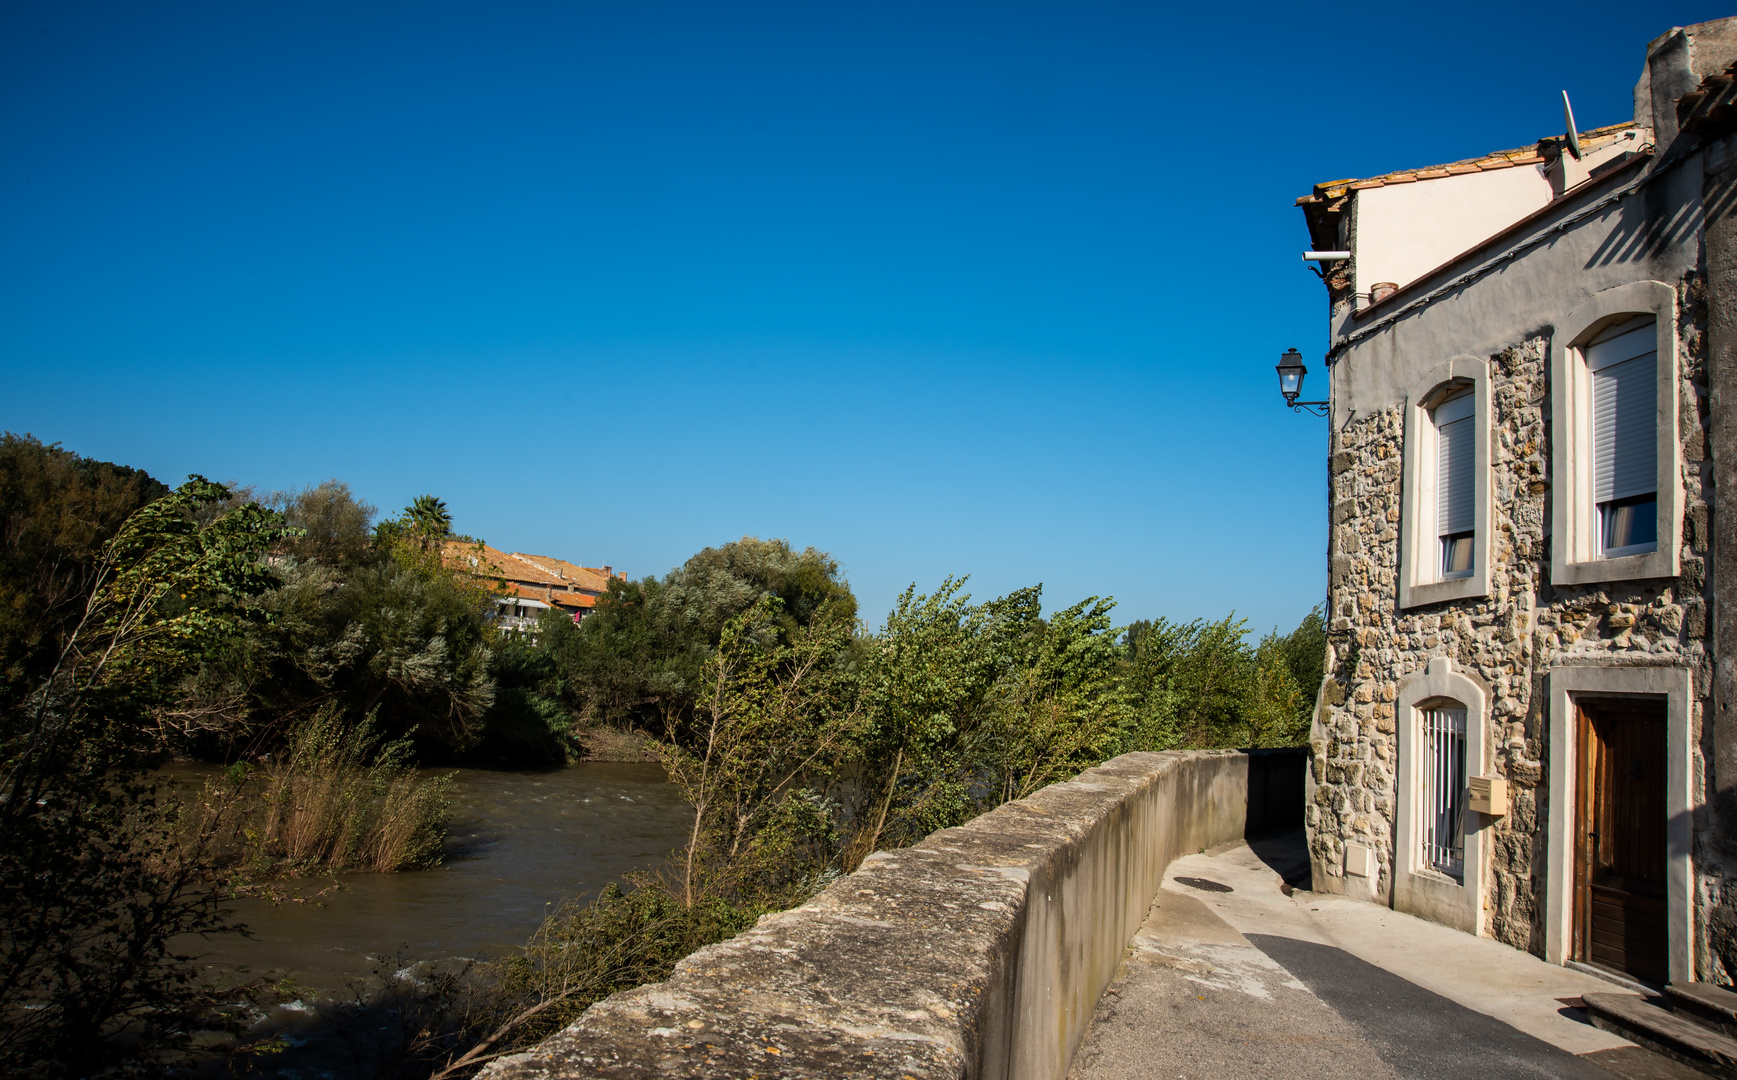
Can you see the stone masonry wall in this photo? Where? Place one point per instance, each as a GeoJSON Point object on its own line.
{"type": "Point", "coordinates": [1508, 639]}
{"type": "Point", "coordinates": [980, 952]}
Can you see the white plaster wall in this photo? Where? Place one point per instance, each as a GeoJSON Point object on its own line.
{"type": "Point", "coordinates": [1406, 230]}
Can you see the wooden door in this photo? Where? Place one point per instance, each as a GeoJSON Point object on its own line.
{"type": "Point", "coordinates": [1620, 855]}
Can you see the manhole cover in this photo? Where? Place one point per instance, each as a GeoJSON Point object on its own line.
{"type": "Point", "coordinates": [1203, 883]}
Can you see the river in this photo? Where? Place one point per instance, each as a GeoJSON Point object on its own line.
{"type": "Point", "coordinates": [518, 842]}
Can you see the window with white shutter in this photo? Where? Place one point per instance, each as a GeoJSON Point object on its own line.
{"type": "Point", "coordinates": [1455, 460]}
{"type": "Point", "coordinates": [1623, 361]}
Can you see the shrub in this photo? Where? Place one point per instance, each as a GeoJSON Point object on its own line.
{"type": "Point", "coordinates": [339, 799]}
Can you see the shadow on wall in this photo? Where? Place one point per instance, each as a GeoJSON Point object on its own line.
{"type": "Point", "coordinates": [1648, 226]}
{"type": "Point", "coordinates": [1274, 829]}
{"type": "Point", "coordinates": [1275, 790]}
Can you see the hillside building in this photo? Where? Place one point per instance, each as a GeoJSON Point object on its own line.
{"type": "Point", "coordinates": [525, 585]}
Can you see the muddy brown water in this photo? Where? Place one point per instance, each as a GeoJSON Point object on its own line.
{"type": "Point", "coordinates": [518, 842]}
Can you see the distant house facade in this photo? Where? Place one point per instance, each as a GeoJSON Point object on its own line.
{"type": "Point", "coordinates": [1528, 728]}
{"type": "Point", "coordinates": [527, 585]}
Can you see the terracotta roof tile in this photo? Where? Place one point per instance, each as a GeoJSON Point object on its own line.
{"type": "Point", "coordinates": [1501, 159]}
{"type": "Point", "coordinates": [585, 577]}
{"type": "Point", "coordinates": [526, 575]}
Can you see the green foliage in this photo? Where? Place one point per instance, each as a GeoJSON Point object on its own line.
{"type": "Point", "coordinates": [638, 659]}
{"type": "Point", "coordinates": [418, 536]}
{"type": "Point", "coordinates": [97, 876]}
{"type": "Point", "coordinates": [1289, 669]}
{"type": "Point", "coordinates": [1190, 681]}
{"type": "Point", "coordinates": [774, 723]}
{"type": "Point", "coordinates": [336, 528]}
{"type": "Point", "coordinates": [1201, 684]}
{"type": "Point", "coordinates": [967, 705]}
{"type": "Point", "coordinates": [1064, 709]}
{"type": "Point", "coordinates": [419, 652]}
{"type": "Point", "coordinates": [57, 511]}
{"type": "Point", "coordinates": [929, 698]}
{"type": "Point", "coordinates": [528, 724]}
{"type": "Point", "coordinates": [395, 635]}
{"type": "Point", "coordinates": [430, 516]}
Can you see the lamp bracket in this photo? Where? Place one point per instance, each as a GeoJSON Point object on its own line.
{"type": "Point", "coordinates": [1315, 408]}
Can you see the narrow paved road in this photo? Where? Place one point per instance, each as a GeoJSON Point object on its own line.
{"type": "Point", "coordinates": [1229, 977]}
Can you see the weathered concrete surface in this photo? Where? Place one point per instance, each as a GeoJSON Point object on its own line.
{"type": "Point", "coordinates": [1253, 983]}
{"type": "Point", "coordinates": [980, 952]}
{"type": "Point", "coordinates": [1196, 999]}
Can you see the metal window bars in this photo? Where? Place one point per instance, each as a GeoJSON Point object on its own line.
{"type": "Point", "coordinates": [1444, 790]}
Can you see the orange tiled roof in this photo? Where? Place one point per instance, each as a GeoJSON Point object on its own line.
{"type": "Point", "coordinates": [1544, 150]}
{"type": "Point", "coordinates": [560, 598]}
{"type": "Point", "coordinates": [573, 600]}
{"type": "Point", "coordinates": [481, 560]}
{"type": "Point", "coordinates": [583, 577]}
{"type": "Point", "coordinates": [525, 575]}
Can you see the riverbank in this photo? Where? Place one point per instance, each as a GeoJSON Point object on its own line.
{"type": "Point", "coordinates": [518, 842]}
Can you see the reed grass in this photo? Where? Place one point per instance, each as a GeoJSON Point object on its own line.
{"type": "Point", "coordinates": [337, 798]}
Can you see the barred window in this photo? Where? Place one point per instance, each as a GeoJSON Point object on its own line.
{"type": "Point", "coordinates": [1443, 798]}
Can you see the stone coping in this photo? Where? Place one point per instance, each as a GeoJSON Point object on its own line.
{"type": "Point", "coordinates": [979, 952]}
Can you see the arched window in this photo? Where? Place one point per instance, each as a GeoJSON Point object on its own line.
{"type": "Point", "coordinates": [1438, 839]}
{"type": "Point", "coordinates": [1616, 474]}
{"type": "Point", "coordinates": [1623, 361]}
{"type": "Point", "coordinates": [1444, 521]}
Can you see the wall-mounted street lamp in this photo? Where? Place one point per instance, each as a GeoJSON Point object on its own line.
{"type": "Point", "coordinates": [1291, 372]}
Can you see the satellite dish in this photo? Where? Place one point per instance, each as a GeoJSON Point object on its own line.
{"type": "Point", "coordinates": [1573, 136]}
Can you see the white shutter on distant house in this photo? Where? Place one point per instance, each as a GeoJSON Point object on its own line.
{"type": "Point", "coordinates": [1455, 459]}
{"type": "Point", "coordinates": [1625, 390]}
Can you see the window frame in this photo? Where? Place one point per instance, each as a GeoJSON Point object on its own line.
{"type": "Point", "coordinates": [1576, 531]}
{"type": "Point", "coordinates": [1417, 887]}
{"type": "Point", "coordinates": [1420, 577]}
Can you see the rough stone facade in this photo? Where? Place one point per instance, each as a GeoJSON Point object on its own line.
{"type": "Point", "coordinates": [1508, 639]}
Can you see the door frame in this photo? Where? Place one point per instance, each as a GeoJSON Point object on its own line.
{"type": "Point", "coordinates": [1677, 687]}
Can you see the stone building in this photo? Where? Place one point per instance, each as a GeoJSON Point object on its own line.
{"type": "Point", "coordinates": [1526, 729]}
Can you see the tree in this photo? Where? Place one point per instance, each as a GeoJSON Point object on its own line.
{"type": "Point", "coordinates": [96, 878]}
{"type": "Point", "coordinates": [774, 719]}
{"type": "Point", "coordinates": [57, 511]}
{"type": "Point", "coordinates": [430, 516]}
{"type": "Point", "coordinates": [637, 660]}
{"type": "Point", "coordinates": [929, 704]}
{"type": "Point", "coordinates": [1190, 682]}
{"type": "Point", "coordinates": [336, 528]}
{"type": "Point", "coordinates": [1064, 708]}
{"type": "Point", "coordinates": [1289, 669]}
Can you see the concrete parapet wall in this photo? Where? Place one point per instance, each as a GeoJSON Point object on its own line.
{"type": "Point", "coordinates": [979, 952]}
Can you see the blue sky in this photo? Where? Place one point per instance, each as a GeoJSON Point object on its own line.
{"type": "Point", "coordinates": [938, 288]}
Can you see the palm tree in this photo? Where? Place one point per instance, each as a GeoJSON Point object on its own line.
{"type": "Point", "coordinates": [430, 517]}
